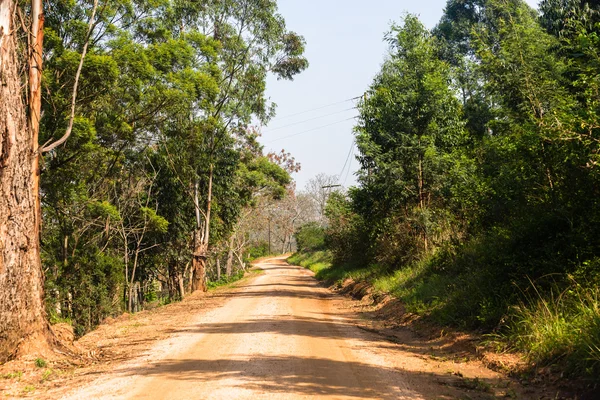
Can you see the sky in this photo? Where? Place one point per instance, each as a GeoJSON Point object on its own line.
{"type": "Point", "coordinates": [345, 49]}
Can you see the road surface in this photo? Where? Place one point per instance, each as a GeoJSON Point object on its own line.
{"type": "Point", "coordinates": [281, 336]}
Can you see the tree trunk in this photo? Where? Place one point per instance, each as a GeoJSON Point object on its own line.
{"type": "Point", "coordinates": [199, 268]}
{"type": "Point", "coordinates": [241, 261]}
{"type": "Point", "coordinates": [23, 325]}
{"type": "Point", "coordinates": [422, 196]}
{"type": "Point", "coordinates": [218, 269]}
{"type": "Point", "coordinates": [174, 281]}
{"type": "Point", "coordinates": [132, 283]}
{"type": "Point", "coordinates": [201, 238]}
{"type": "Point", "coordinates": [228, 267]}
{"type": "Point", "coordinates": [181, 287]}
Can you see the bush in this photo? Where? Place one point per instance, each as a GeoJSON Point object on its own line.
{"type": "Point", "coordinates": [310, 237]}
{"type": "Point", "coordinates": [258, 250]}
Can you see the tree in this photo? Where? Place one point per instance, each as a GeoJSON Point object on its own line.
{"type": "Point", "coordinates": [23, 324]}
{"type": "Point", "coordinates": [408, 122]}
{"type": "Point", "coordinates": [253, 42]}
{"type": "Point", "coordinates": [319, 189]}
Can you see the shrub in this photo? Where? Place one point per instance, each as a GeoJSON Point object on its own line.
{"type": "Point", "coordinates": [310, 237]}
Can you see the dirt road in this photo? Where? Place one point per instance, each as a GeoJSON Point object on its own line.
{"type": "Point", "coordinates": [281, 336]}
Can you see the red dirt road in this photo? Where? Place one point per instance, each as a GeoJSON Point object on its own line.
{"type": "Point", "coordinates": [279, 336]}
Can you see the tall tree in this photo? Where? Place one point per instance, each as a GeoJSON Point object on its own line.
{"type": "Point", "coordinates": [23, 322]}
{"type": "Point", "coordinates": [409, 119]}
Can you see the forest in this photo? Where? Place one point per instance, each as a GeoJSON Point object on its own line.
{"type": "Point", "coordinates": [477, 201]}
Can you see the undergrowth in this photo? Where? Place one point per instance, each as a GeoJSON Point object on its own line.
{"type": "Point", "coordinates": [561, 329]}
{"type": "Point", "coordinates": [226, 280]}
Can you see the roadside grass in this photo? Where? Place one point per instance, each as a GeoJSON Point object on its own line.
{"type": "Point", "coordinates": [321, 263]}
{"type": "Point", "coordinates": [226, 280]}
{"type": "Point", "coordinates": [561, 329]}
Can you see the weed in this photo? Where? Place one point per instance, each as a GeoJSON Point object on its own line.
{"type": "Point", "coordinates": [225, 281]}
{"type": "Point", "coordinates": [474, 384]}
{"type": "Point", "coordinates": [40, 363]}
{"type": "Point", "coordinates": [29, 389]}
{"type": "Point", "coordinates": [12, 375]}
{"type": "Point", "coordinates": [46, 375]}
{"type": "Point", "coordinates": [563, 328]}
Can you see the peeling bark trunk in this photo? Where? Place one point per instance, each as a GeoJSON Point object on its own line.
{"type": "Point", "coordinates": [23, 325]}
{"type": "Point", "coordinates": [201, 238]}
{"type": "Point", "coordinates": [199, 268]}
{"type": "Point", "coordinates": [228, 267]}
{"type": "Point", "coordinates": [181, 287]}
{"type": "Point", "coordinates": [132, 283]}
{"type": "Point", "coordinates": [241, 261]}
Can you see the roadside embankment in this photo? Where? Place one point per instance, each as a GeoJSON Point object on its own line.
{"type": "Point", "coordinates": [548, 341]}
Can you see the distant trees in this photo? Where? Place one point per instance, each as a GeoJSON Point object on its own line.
{"type": "Point", "coordinates": [318, 189]}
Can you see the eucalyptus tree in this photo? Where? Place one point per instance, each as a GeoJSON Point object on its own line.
{"type": "Point", "coordinates": [408, 121]}
{"type": "Point", "coordinates": [136, 79]}
{"type": "Point", "coordinates": [22, 315]}
{"type": "Point", "coordinates": [252, 41]}
{"type": "Point", "coordinates": [23, 322]}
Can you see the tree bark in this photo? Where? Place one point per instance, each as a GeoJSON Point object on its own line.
{"type": "Point", "coordinates": [201, 237]}
{"type": "Point", "coordinates": [241, 261]}
{"type": "Point", "coordinates": [228, 267]}
{"type": "Point", "coordinates": [23, 324]}
{"type": "Point", "coordinates": [199, 269]}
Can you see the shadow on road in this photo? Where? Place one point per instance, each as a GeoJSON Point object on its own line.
{"type": "Point", "coordinates": [290, 374]}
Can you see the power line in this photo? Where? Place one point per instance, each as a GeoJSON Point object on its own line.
{"type": "Point", "coordinates": [311, 130]}
{"type": "Point", "coordinates": [350, 165]}
{"type": "Point", "coordinates": [346, 162]}
{"type": "Point", "coordinates": [315, 109]}
{"type": "Point", "coordinates": [307, 120]}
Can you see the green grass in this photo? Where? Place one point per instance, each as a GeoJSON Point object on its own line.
{"type": "Point", "coordinates": [12, 375]}
{"type": "Point", "coordinates": [562, 329]}
{"type": "Point", "coordinates": [321, 263]}
{"type": "Point", "coordinates": [225, 280]}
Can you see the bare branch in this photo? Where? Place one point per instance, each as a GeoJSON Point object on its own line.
{"type": "Point", "coordinates": [49, 147]}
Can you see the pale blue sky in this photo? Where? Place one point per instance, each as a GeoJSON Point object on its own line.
{"type": "Point", "coordinates": [345, 49]}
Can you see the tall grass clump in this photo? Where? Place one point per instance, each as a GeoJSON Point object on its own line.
{"type": "Point", "coordinates": [562, 329]}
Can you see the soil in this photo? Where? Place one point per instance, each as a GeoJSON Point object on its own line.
{"type": "Point", "coordinates": [277, 334]}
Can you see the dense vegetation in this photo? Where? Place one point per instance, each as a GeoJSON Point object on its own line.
{"type": "Point", "coordinates": [478, 198]}
{"type": "Point", "coordinates": [156, 189]}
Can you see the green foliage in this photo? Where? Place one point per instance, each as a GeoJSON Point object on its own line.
{"type": "Point", "coordinates": [155, 221]}
{"type": "Point", "coordinates": [317, 261]}
{"type": "Point", "coordinates": [478, 149]}
{"type": "Point", "coordinates": [310, 237]}
{"type": "Point", "coordinates": [167, 94]}
{"type": "Point", "coordinates": [226, 280]}
{"type": "Point", "coordinates": [257, 250]}
{"type": "Point", "coordinates": [40, 363]}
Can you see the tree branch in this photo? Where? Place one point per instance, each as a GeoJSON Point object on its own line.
{"type": "Point", "coordinates": [46, 148]}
